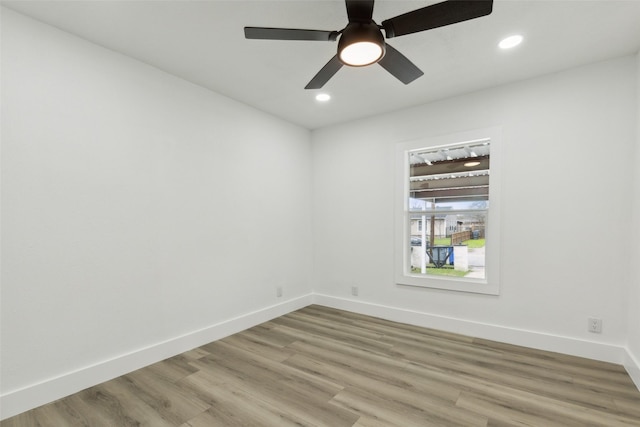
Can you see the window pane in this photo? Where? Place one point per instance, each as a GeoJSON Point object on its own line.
{"type": "Point", "coordinates": [448, 244]}
{"type": "Point", "coordinates": [454, 178]}
{"type": "Point", "coordinates": [448, 204]}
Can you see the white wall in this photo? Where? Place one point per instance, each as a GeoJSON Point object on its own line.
{"type": "Point", "coordinates": [567, 177]}
{"type": "Point", "coordinates": [634, 295]}
{"type": "Point", "coordinates": [137, 209]}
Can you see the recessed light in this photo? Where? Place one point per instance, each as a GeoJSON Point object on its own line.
{"type": "Point", "coordinates": [472, 164]}
{"type": "Point", "coordinates": [511, 41]}
{"type": "Point", "coordinates": [323, 97]}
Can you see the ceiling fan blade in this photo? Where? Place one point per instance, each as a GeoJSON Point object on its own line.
{"type": "Point", "coordinates": [400, 66]}
{"type": "Point", "coordinates": [437, 15]}
{"type": "Point", "coordinates": [325, 74]}
{"type": "Point", "coordinates": [359, 10]}
{"type": "Point", "coordinates": [262, 33]}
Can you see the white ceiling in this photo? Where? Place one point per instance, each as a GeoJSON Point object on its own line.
{"type": "Point", "coordinates": [203, 42]}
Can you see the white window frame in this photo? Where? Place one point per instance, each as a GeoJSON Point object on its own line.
{"type": "Point", "coordinates": [403, 276]}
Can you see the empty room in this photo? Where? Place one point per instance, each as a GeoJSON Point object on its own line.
{"type": "Point", "coordinates": [320, 213]}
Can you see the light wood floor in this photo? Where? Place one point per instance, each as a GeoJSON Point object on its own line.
{"type": "Point", "coordinates": [325, 367]}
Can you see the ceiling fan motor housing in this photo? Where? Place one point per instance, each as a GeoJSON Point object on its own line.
{"type": "Point", "coordinates": [356, 32]}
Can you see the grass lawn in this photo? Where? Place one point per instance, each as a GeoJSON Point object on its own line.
{"type": "Point", "coordinates": [471, 243]}
{"type": "Point", "coordinates": [443, 241]}
{"type": "Point", "coordinates": [474, 243]}
{"type": "Point", "coordinates": [446, 271]}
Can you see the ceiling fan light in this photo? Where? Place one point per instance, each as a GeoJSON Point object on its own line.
{"type": "Point", "coordinates": [361, 44]}
{"type": "Point", "coordinates": [359, 54]}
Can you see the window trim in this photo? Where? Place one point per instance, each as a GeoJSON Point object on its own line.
{"type": "Point", "coordinates": [491, 283]}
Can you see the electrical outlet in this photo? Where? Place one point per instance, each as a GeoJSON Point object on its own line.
{"type": "Point", "coordinates": [279, 291]}
{"type": "Point", "coordinates": [595, 325]}
{"type": "Point", "coordinates": [354, 291]}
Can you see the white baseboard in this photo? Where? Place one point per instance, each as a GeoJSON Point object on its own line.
{"type": "Point", "coordinates": [632, 365]}
{"type": "Point", "coordinates": [531, 339]}
{"type": "Point", "coordinates": [29, 397]}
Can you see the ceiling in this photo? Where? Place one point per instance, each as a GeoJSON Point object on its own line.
{"type": "Point", "coordinates": [203, 42]}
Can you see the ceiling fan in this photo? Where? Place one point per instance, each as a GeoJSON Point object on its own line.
{"type": "Point", "coordinates": [361, 42]}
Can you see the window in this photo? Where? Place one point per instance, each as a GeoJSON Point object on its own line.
{"type": "Point", "coordinates": [447, 212]}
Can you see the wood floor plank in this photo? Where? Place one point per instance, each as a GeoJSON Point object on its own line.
{"type": "Point", "coordinates": [194, 354]}
{"type": "Point", "coordinates": [408, 393]}
{"type": "Point", "coordinates": [368, 341]}
{"type": "Point", "coordinates": [394, 404]}
{"type": "Point", "coordinates": [512, 416]}
{"type": "Point", "coordinates": [347, 317]}
{"type": "Point", "coordinates": [251, 343]}
{"type": "Point", "coordinates": [514, 408]}
{"type": "Point", "coordinates": [366, 421]}
{"type": "Point", "coordinates": [589, 398]}
{"type": "Point", "coordinates": [270, 332]}
{"type": "Point", "coordinates": [401, 396]}
{"type": "Point", "coordinates": [630, 407]}
{"type": "Point", "coordinates": [479, 386]}
{"type": "Point", "coordinates": [320, 366]}
{"type": "Point", "coordinates": [547, 359]}
{"type": "Point", "coordinates": [252, 368]}
{"type": "Point", "coordinates": [174, 368]}
{"type": "Point", "coordinates": [164, 397]}
{"type": "Point", "coordinates": [51, 416]}
{"type": "Point", "coordinates": [276, 383]}
{"type": "Point", "coordinates": [232, 407]}
{"type": "Point", "coordinates": [356, 366]}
